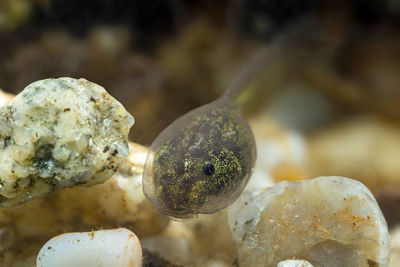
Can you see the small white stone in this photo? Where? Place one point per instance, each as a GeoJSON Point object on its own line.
{"type": "Point", "coordinates": [328, 221]}
{"type": "Point", "coordinates": [5, 98]}
{"type": "Point", "coordinates": [107, 248]}
{"type": "Point", "coordinates": [294, 263]}
{"type": "Point", "coordinates": [59, 133]}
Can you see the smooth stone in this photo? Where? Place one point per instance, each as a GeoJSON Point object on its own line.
{"type": "Point", "coordinates": [116, 248]}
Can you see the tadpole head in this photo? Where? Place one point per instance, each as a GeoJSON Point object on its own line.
{"type": "Point", "coordinates": [200, 163]}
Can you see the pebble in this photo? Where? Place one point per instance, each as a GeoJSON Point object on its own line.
{"type": "Point", "coordinates": [366, 148]}
{"type": "Point", "coordinates": [105, 248]}
{"type": "Point", "coordinates": [328, 221]}
{"type": "Point", "coordinates": [59, 133]}
{"type": "Point", "coordinates": [294, 263]}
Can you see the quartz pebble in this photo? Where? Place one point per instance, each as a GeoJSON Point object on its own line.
{"type": "Point", "coordinates": [117, 248]}
{"type": "Point", "coordinates": [328, 221]}
{"type": "Point", "coordinates": [5, 98]}
{"type": "Point", "coordinates": [294, 263]}
{"type": "Point", "coordinates": [59, 133]}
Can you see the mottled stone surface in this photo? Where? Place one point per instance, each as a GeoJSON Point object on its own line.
{"type": "Point", "coordinates": [59, 133]}
{"type": "Point", "coordinates": [328, 221]}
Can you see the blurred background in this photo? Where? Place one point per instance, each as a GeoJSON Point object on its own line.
{"type": "Point", "coordinates": [327, 103]}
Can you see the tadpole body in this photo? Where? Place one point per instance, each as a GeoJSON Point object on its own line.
{"type": "Point", "coordinates": [201, 162]}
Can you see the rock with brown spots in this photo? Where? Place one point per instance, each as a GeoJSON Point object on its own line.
{"type": "Point", "coordinates": [59, 133]}
{"type": "Point", "coordinates": [328, 221]}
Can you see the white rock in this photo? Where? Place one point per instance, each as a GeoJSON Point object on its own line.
{"type": "Point", "coordinates": [294, 263]}
{"type": "Point", "coordinates": [107, 248]}
{"type": "Point", "coordinates": [328, 221]}
{"type": "Point", "coordinates": [59, 133]}
{"type": "Point", "coordinates": [5, 98]}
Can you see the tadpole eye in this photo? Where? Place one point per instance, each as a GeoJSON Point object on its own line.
{"type": "Point", "coordinates": [162, 159]}
{"type": "Point", "coordinates": [208, 169]}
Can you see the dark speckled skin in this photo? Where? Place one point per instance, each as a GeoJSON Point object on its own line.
{"type": "Point", "coordinates": [174, 180]}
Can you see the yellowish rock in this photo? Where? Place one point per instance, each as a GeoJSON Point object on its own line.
{"type": "Point", "coordinates": [395, 247]}
{"type": "Point", "coordinates": [366, 148]}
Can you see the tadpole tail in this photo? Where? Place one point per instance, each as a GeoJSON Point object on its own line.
{"type": "Point", "coordinates": [253, 68]}
{"type": "Point", "coordinates": [268, 54]}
